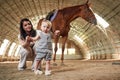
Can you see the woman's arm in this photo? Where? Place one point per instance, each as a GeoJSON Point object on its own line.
{"type": "Point", "coordinates": [25, 43]}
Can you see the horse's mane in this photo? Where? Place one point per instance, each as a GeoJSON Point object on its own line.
{"type": "Point", "coordinates": [71, 7]}
{"type": "Point", "coordinates": [65, 10]}
{"type": "Point", "coordinates": [71, 11]}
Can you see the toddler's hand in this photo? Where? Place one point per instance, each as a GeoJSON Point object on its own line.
{"type": "Point", "coordinates": [57, 32]}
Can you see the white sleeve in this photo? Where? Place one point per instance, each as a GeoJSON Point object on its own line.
{"type": "Point", "coordinates": [38, 32]}
{"type": "Point", "coordinates": [19, 36]}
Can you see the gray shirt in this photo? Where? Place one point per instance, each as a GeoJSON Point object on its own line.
{"type": "Point", "coordinates": [44, 44]}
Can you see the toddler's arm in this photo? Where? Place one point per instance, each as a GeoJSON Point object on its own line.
{"type": "Point", "coordinates": [35, 38]}
{"type": "Point", "coordinates": [25, 43]}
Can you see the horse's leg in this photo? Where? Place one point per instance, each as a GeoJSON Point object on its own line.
{"type": "Point", "coordinates": [56, 38]}
{"type": "Point", "coordinates": [63, 48]}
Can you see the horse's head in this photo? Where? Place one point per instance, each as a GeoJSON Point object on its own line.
{"type": "Point", "coordinates": [87, 13]}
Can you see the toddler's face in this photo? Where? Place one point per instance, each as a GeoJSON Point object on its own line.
{"type": "Point", "coordinates": [45, 27]}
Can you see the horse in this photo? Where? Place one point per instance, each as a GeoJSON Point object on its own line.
{"type": "Point", "coordinates": [62, 23]}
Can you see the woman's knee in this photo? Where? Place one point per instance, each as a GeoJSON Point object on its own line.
{"type": "Point", "coordinates": [24, 52]}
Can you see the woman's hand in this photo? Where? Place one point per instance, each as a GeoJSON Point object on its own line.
{"type": "Point", "coordinates": [28, 39]}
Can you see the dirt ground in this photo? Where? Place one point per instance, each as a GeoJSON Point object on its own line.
{"type": "Point", "coordinates": [72, 70]}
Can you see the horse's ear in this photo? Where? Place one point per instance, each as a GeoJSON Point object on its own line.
{"type": "Point", "coordinates": [89, 4]}
{"type": "Point", "coordinates": [87, 1]}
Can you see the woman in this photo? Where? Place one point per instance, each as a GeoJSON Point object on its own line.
{"type": "Point", "coordinates": [26, 31]}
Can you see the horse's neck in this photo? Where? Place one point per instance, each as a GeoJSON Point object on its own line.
{"type": "Point", "coordinates": [71, 13]}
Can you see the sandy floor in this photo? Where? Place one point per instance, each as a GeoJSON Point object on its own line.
{"type": "Point", "coordinates": [72, 70]}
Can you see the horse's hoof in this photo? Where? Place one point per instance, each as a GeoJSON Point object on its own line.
{"type": "Point", "coordinates": [54, 64]}
{"type": "Point", "coordinates": [62, 64]}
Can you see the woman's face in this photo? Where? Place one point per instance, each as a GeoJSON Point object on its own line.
{"type": "Point", "coordinates": [27, 26]}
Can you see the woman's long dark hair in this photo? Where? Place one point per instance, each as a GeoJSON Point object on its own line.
{"type": "Point", "coordinates": [22, 31]}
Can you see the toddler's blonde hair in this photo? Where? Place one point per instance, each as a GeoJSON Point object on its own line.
{"type": "Point", "coordinates": [48, 22]}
